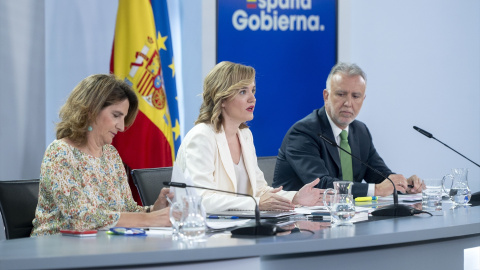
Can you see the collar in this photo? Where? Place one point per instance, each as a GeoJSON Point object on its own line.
{"type": "Point", "coordinates": [335, 129]}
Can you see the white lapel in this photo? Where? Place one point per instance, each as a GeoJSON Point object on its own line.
{"type": "Point", "coordinates": [225, 156]}
{"type": "Point", "coordinates": [250, 165]}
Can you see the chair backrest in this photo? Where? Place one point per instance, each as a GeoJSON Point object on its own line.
{"type": "Point", "coordinates": [149, 182]}
{"type": "Point", "coordinates": [267, 165]}
{"type": "Point", "coordinates": [18, 201]}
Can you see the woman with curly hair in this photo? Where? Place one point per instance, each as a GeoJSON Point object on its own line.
{"type": "Point", "coordinates": [83, 184]}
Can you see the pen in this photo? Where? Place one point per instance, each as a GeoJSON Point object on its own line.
{"type": "Point", "coordinates": [365, 199]}
{"type": "Point", "coordinates": [223, 217]}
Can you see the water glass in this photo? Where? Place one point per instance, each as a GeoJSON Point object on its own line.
{"type": "Point", "coordinates": [432, 195]}
{"type": "Point", "coordinates": [188, 218]}
{"type": "Point", "coordinates": [339, 202]}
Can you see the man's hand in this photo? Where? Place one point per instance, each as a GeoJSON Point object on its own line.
{"type": "Point", "coordinates": [417, 184]}
{"type": "Point", "coordinates": [308, 195]}
{"type": "Point", "coordinates": [272, 201]}
{"type": "Point", "coordinates": [385, 188]}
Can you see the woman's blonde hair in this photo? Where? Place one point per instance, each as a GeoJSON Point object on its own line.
{"type": "Point", "coordinates": [87, 100]}
{"type": "Point", "coordinates": [221, 84]}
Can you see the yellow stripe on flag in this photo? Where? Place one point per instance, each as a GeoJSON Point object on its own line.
{"type": "Point", "coordinates": [137, 60]}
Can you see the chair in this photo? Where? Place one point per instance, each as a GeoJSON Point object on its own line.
{"type": "Point", "coordinates": [18, 201]}
{"type": "Point", "coordinates": [149, 182]}
{"type": "Point", "coordinates": [267, 165]}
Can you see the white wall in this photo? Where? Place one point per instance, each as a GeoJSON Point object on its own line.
{"type": "Point", "coordinates": [422, 60]}
{"type": "Point", "coordinates": [78, 40]}
{"type": "Point", "coordinates": [22, 88]}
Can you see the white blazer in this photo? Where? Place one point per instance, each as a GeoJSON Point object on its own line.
{"type": "Point", "coordinates": [206, 156]}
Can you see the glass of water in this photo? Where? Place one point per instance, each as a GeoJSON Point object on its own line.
{"type": "Point", "coordinates": [339, 202]}
{"type": "Point", "coordinates": [188, 218]}
{"type": "Point", "coordinates": [432, 195]}
{"type": "Point", "coordinates": [193, 224]}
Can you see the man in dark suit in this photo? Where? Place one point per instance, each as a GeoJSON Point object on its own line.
{"type": "Point", "coordinates": [304, 156]}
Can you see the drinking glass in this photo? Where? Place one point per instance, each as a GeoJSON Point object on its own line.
{"type": "Point", "coordinates": [341, 204]}
{"type": "Point", "coordinates": [432, 195]}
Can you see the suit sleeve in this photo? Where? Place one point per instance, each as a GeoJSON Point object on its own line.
{"type": "Point", "coordinates": [309, 158]}
{"type": "Point", "coordinates": [303, 153]}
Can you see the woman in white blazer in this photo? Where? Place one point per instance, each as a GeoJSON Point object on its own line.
{"type": "Point", "coordinates": [218, 152]}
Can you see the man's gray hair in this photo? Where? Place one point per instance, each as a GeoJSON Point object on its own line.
{"type": "Point", "coordinates": [347, 69]}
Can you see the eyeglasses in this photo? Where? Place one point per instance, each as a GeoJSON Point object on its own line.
{"type": "Point", "coordinates": [128, 231]}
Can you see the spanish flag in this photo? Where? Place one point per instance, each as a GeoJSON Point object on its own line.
{"type": "Point", "coordinates": [142, 55]}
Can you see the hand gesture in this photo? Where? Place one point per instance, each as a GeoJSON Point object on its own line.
{"type": "Point", "coordinates": [271, 201]}
{"type": "Point", "coordinates": [308, 195]}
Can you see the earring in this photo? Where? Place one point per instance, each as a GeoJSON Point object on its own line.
{"type": "Point", "coordinates": [89, 128]}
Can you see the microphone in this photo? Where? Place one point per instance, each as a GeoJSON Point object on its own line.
{"type": "Point", "coordinates": [395, 209]}
{"type": "Point", "coordinates": [429, 135]}
{"type": "Point", "coordinates": [258, 229]}
{"type": "Point", "coordinates": [475, 196]}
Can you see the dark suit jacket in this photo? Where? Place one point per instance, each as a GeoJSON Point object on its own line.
{"type": "Point", "coordinates": [304, 156]}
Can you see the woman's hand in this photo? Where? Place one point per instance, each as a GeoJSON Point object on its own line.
{"type": "Point", "coordinates": [308, 195]}
{"type": "Point", "coordinates": [160, 218]}
{"type": "Point", "coordinates": [161, 201]}
{"type": "Point", "coordinates": [272, 201]}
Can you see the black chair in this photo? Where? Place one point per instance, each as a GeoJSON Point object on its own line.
{"type": "Point", "coordinates": [18, 201]}
{"type": "Point", "coordinates": [149, 182]}
{"type": "Point", "coordinates": [267, 165]}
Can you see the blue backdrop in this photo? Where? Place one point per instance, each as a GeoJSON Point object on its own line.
{"type": "Point", "coordinates": [292, 46]}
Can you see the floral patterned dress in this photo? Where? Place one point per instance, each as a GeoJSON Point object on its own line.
{"type": "Point", "coordinates": [81, 192]}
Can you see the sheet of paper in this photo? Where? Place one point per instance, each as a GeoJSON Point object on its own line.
{"type": "Point", "coordinates": [402, 197]}
{"type": "Point", "coordinates": [307, 210]}
{"type": "Point", "coordinates": [362, 209]}
{"type": "Point", "coordinates": [159, 228]}
{"type": "Point", "coordinates": [159, 231]}
{"type": "Point", "coordinates": [223, 224]}
{"type": "Point", "coordinates": [360, 216]}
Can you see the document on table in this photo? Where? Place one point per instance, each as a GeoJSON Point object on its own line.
{"type": "Point", "coordinates": [360, 216]}
{"type": "Point", "coordinates": [158, 230]}
{"type": "Point", "coordinates": [307, 210]}
{"type": "Point", "coordinates": [406, 198]}
{"type": "Point", "coordinates": [212, 224]}
{"type": "Point", "coordinates": [225, 223]}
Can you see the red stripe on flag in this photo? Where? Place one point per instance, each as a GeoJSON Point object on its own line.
{"type": "Point", "coordinates": [251, 5]}
{"type": "Point", "coordinates": [143, 145]}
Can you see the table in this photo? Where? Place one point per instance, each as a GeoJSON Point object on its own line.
{"type": "Point", "coordinates": [421, 241]}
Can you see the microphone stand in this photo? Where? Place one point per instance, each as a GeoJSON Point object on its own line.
{"type": "Point", "coordinates": [395, 209]}
{"type": "Point", "coordinates": [475, 196]}
{"type": "Point", "coordinates": [258, 229]}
